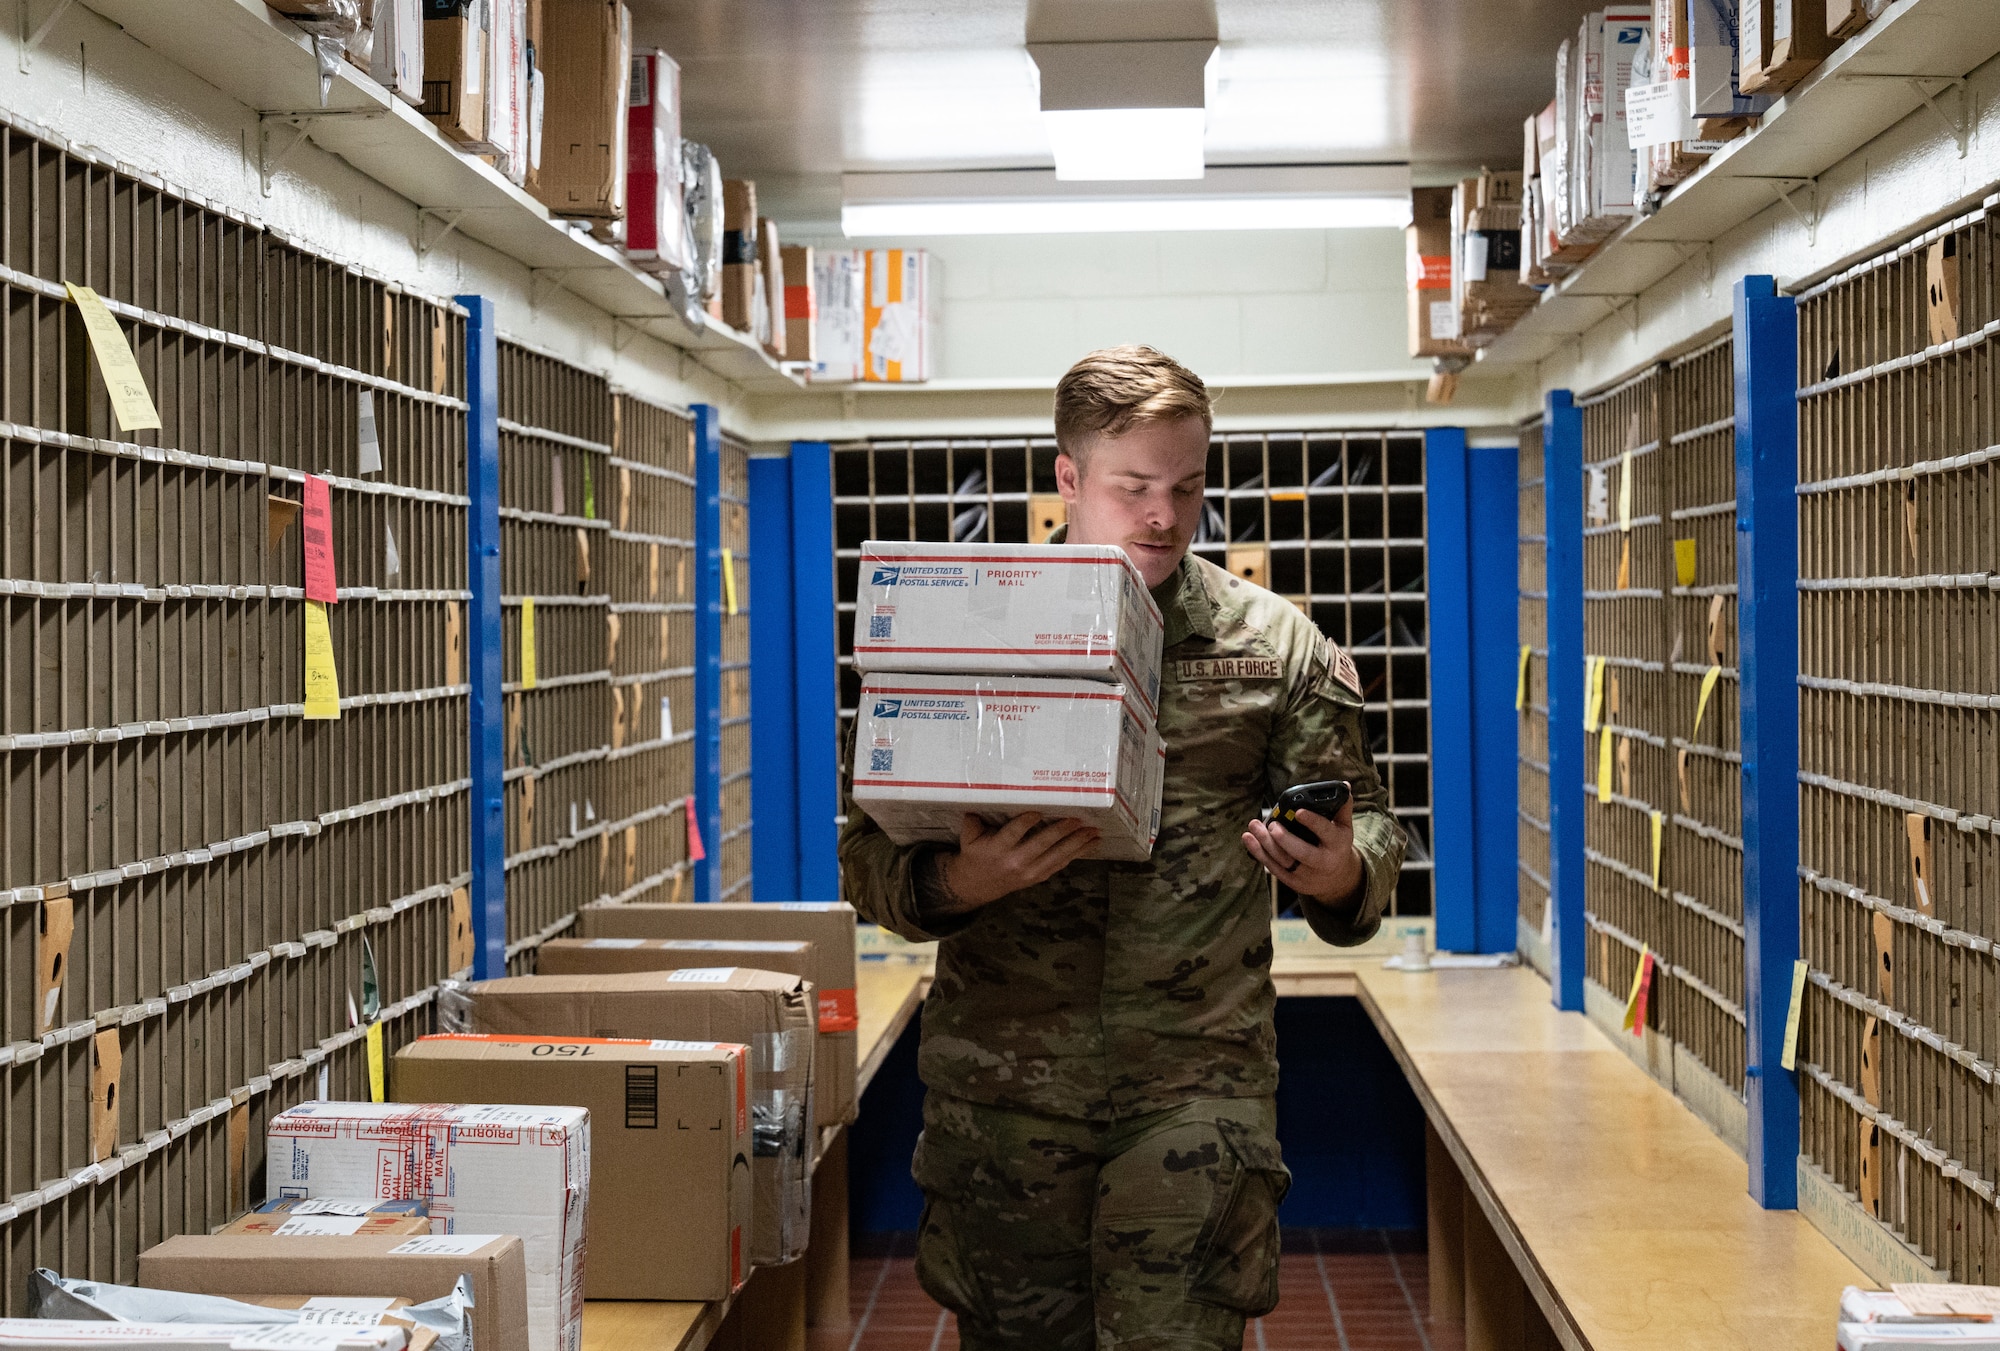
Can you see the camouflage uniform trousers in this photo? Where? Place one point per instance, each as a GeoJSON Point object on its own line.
{"type": "Point", "coordinates": [1156, 1233]}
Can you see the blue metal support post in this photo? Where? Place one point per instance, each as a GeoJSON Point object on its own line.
{"type": "Point", "coordinates": [1562, 505]}
{"type": "Point", "coordinates": [816, 650]}
{"type": "Point", "coordinates": [774, 854]}
{"type": "Point", "coordinates": [1448, 541]}
{"type": "Point", "coordinates": [483, 641]}
{"type": "Point", "coordinates": [1767, 642]}
{"type": "Point", "coordinates": [705, 812]}
{"type": "Point", "coordinates": [1490, 511]}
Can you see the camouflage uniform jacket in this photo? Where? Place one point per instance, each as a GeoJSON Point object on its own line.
{"type": "Point", "coordinates": [1115, 989]}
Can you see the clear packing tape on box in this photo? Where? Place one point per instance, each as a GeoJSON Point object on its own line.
{"type": "Point", "coordinates": [55, 1297]}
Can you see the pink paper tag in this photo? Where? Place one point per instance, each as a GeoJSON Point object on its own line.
{"type": "Point", "coordinates": [320, 583]}
{"type": "Point", "coordinates": [695, 851]}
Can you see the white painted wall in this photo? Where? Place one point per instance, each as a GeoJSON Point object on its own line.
{"type": "Point", "coordinates": [95, 87]}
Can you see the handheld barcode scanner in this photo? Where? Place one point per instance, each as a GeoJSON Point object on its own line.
{"type": "Point", "coordinates": [1324, 797]}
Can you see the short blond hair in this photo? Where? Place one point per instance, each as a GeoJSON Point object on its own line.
{"type": "Point", "coordinates": [1117, 388]}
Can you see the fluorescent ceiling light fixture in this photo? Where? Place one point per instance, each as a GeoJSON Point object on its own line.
{"type": "Point", "coordinates": [1036, 202]}
{"type": "Point", "coordinates": [1101, 144]}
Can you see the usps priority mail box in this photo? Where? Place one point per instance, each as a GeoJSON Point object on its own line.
{"type": "Point", "coordinates": [1077, 610]}
{"type": "Point", "coordinates": [930, 749]}
{"type": "Point", "coordinates": [482, 1169]}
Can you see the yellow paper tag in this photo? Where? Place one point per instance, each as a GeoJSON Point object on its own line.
{"type": "Point", "coordinates": [1659, 827]}
{"type": "Point", "coordinates": [1604, 765]}
{"type": "Point", "coordinates": [1521, 681]}
{"type": "Point", "coordinates": [131, 403]}
{"type": "Point", "coordinates": [527, 642]}
{"type": "Point", "coordinates": [322, 679]}
{"type": "Point", "coordinates": [1593, 680]}
{"type": "Point", "coordinates": [1638, 980]}
{"type": "Point", "coordinates": [1625, 490]}
{"type": "Point", "coordinates": [1708, 680]}
{"type": "Point", "coordinates": [376, 1089]}
{"type": "Point", "coordinates": [729, 580]}
{"type": "Point", "coordinates": [1791, 1056]}
{"type": "Point", "coordinates": [1684, 561]}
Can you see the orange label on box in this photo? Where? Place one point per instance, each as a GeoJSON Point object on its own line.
{"type": "Point", "coordinates": [799, 303]}
{"type": "Point", "coordinates": [1433, 272]}
{"type": "Point", "coordinates": [838, 1011]}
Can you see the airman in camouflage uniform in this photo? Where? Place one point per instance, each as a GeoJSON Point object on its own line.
{"type": "Point", "coordinates": [1099, 1157]}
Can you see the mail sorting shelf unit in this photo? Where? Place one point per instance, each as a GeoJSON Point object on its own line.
{"type": "Point", "coordinates": [1334, 521]}
{"type": "Point", "coordinates": [1532, 684]}
{"type": "Point", "coordinates": [1658, 463]}
{"type": "Point", "coordinates": [1899, 639]}
{"type": "Point", "coordinates": [194, 880]}
{"type": "Point", "coordinates": [555, 459]}
{"type": "Point", "coordinates": [734, 505]}
{"type": "Point", "coordinates": [649, 563]}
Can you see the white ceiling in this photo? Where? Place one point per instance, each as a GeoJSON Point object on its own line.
{"type": "Point", "coordinates": [802, 89]}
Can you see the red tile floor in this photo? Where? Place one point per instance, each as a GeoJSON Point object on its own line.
{"type": "Point", "coordinates": [1338, 1290]}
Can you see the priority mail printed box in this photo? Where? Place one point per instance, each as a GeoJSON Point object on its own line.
{"type": "Point", "coordinates": [930, 749]}
{"type": "Point", "coordinates": [43, 1334]}
{"type": "Point", "coordinates": [768, 1011]}
{"type": "Point", "coordinates": [483, 1169]}
{"type": "Point", "coordinates": [600, 956]}
{"type": "Point", "coordinates": [416, 1268]}
{"type": "Point", "coordinates": [669, 1136]}
{"type": "Point", "coordinates": [1078, 610]}
{"type": "Point", "coordinates": [828, 926]}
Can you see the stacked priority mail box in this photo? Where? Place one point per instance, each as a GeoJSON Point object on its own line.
{"type": "Point", "coordinates": [1001, 679]}
{"type": "Point", "coordinates": [1908, 1316]}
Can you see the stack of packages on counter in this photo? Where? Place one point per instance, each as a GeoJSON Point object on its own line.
{"type": "Point", "coordinates": [669, 1047]}
{"type": "Point", "coordinates": [1487, 291]}
{"type": "Point", "coordinates": [1001, 679]}
{"type": "Point", "coordinates": [1906, 1317]}
{"type": "Point", "coordinates": [874, 320]}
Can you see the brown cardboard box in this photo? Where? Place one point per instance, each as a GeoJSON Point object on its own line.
{"type": "Point", "coordinates": [1845, 18]}
{"type": "Point", "coordinates": [767, 1011]}
{"type": "Point", "coordinates": [1783, 41]}
{"type": "Point", "coordinates": [297, 1217]}
{"type": "Point", "coordinates": [585, 61]}
{"type": "Point", "coordinates": [771, 260]}
{"type": "Point", "coordinates": [829, 927]}
{"type": "Point", "coordinates": [601, 956]}
{"type": "Point", "coordinates": [739, 253]}
{"type": "Point", "coordinates": [800, 309]}
{"type": "Point", "coordinates": [455, 71]}
{"type": "Point", "coordinates": [246, 1265]}
{"type": "Point", "coordinates": [1433, 316]}
{"type": "Point", "coordinates": [669, 1136]}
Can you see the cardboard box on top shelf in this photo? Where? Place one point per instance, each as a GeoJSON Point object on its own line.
{"type": "Point", "coordinates": [1660, 119]}
{"type": "Point", "coordinates": [1721, 108]}
{"type": "Point", "coordinates": [896, 317]}
{"type": "Point", "coordinates": [396, 59]}
{"type": "Point", "coordinates": [586, 63]}
{"type": "Point", "coordinates": [926, 756]}
{"type": "Point", "coordinates": [299, 1217]}
{"type": "Point", "coordinates": [416, 1268]}
{"type": "Point", "coordinates": [800, 310]}
{"type": "Point", "coordinates": [771, 271]}
{"type": "Point", "coordinates": [1488, 266]}
{"type": "Point", "coordinates": [506, 143]}
{"type": "Point", "coordinates": [538, 90]}
{"type": "Point", "coordinates": [605, 956]}
{"type": "Point", "coordinates": [455, 51]}
{"type": "Point", "coordinates": [840, 328]}
{"type": "Point", "coordinates": [1845, 18]}
{"type": "Point", "coordinates": [483, 1169]}
{"type": "Point", "coordinates": [828, 929]}
{"type": "Point", "coordinates": [771, 1013]}
{"type": "Point", "coordinates": [1782, 42]}
{"type": "Point", "coordinates": [655, 224]}
{"type": "Point", "coordinates": [1627, 32]}
{"type": "Point", "coordinates": [1427, 258]}
{"type": "Point", "coordinates": [739, 254]}
{"type": "Point", "coordinates": [669, 1137]}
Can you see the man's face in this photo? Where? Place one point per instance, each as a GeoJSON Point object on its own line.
{"type": "Point", "coordinates": [1142, 492]}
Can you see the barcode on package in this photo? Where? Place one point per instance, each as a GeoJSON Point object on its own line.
{"type": "Point", "coordinates": [881, 762]}
{"type": "Point", "coordinates": [881, 627]}
{"type": "Point", "coordinates": [642, 1097]}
